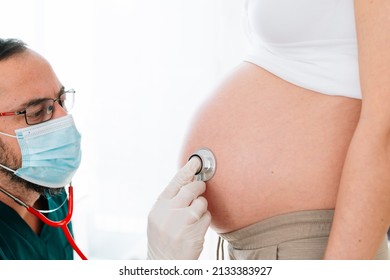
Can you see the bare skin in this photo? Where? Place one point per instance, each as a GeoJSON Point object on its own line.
{"type": "Point", "coordinates": [362, 214]}
{"type": "Point", "coordinates": [280, 148]}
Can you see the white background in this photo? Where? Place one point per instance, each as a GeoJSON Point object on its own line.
{"type": "Point", "coordinates": [280, 270]}
{"type": "Point", "coordinates": [141, 68]}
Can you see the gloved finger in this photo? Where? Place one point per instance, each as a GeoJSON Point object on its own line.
{"type": "Point", "coordinates": [204, 223]}
{"type": "Point", "coordinates": [196, 210]}
{"type": "Point", "coordinates": [199, 228]}
{"type": "Point", "coordinates": [188, 193]}
{"type": "Point", "coordinates": [184, 176]}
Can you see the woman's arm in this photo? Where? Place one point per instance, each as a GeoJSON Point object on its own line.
{"type": "Point", "coordinates": [362, 215]}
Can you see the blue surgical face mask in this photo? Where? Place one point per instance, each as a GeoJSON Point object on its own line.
{"type": "Point", "coordinates": [51, 152]}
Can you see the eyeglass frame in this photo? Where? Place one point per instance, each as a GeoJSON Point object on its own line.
{"type": "Point", "coordinates": [23, 112]}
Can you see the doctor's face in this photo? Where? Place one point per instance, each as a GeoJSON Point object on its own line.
{"type": "Point", "coordinates": [25, 78]}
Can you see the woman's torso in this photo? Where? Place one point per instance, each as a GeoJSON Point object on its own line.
{"type": "Point", "coordinates": [280, 147]}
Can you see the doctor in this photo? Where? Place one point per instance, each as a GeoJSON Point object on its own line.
{"type": "Point", "coordinates": [40, 153]}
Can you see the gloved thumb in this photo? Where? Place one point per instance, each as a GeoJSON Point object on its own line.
{"type": "Point", "coordinates": [184, 176]}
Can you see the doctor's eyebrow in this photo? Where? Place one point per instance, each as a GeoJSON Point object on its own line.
{"type": "Point", "coordinates": [38, 100]}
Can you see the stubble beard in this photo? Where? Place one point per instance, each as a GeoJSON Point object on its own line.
{"type": "Point", "coordinates": [11, 161]}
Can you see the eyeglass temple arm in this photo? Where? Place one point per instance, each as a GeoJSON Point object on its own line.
{"type": "Point", "coordinates": [4, 114]}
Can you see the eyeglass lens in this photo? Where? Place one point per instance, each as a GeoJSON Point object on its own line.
{"type": "Point", "coordinates": [43, 111]}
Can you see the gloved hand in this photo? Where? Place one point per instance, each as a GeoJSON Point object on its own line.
{"type": "Point", "coordinates": [179, 219]}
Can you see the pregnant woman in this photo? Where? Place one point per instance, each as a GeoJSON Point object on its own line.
{"type": "Point", "coordinates": [301, 133]}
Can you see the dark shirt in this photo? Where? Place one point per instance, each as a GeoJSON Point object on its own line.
{"type": "Point", "coordinates": [19, 242]}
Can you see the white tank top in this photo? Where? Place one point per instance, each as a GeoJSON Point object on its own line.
{"type": "Point", "coordinates": [310, 43]}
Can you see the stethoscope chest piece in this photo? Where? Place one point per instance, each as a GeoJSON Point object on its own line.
{"type": "Point", "coordinates": [208, 164]}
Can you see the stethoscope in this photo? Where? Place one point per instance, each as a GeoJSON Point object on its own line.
{"type": "Point", "coordinates": [208, 164]}
{"type": "Point", "coordinates": [63, 224]}
{"type": "Point", "coordinates": [205, 172]}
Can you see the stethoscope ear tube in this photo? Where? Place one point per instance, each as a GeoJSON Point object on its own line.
{"type": "Point", "coordinates": [208, 164]}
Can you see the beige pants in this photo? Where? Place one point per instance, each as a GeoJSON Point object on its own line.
{"type": "Point", "coordinates": [299, 235]}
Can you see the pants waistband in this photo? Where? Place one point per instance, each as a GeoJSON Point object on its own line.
{"type": "Point", "coordinates": [282, 228]}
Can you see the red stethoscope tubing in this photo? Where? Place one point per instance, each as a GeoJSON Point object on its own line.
{"type": "Point", "coordinates": [63, 224]}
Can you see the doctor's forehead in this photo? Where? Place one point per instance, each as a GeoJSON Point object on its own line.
{"type": "Point", "coordinates": [8, 49]}
{"type": "Point", "coordinates": [28, 72]}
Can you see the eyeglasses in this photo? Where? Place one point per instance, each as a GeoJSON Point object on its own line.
{"type": "Point", "coordinates": [42, 110]}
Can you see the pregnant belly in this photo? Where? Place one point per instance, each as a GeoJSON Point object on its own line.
{"type": "Point", "coordinates": [279, 147]}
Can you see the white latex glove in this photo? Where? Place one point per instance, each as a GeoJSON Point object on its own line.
{"type": "Point", "coordinates": [179, 219]}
